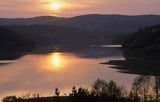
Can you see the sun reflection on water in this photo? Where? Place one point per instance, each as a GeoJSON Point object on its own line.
{"type": "Point", "coordinates": [56, 59]}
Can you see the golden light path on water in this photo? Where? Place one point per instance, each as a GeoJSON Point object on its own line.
{"type": "Point", "coordinates": [56, 61]}
{"type": "Point", "coordinates": [42, 73]}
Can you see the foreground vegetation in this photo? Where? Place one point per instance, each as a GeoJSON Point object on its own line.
{"type": "Point", "coordinates": [143, 89]}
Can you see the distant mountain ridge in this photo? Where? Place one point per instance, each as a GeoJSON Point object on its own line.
{"type": "Point", "coordinates": [41, 20]}
{"type": "Point", "coordinates": [103, 23]}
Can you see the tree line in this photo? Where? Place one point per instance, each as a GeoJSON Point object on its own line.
{"type": "Point", "coordinates": [144, 89]}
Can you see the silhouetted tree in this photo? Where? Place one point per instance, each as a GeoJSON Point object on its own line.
{"type": "Point", "coordinates": [134, 93]}
{"type": "Point", "coordinates": [124, 92]}
{"type": "Point", "coordinates": [113, 89]}
{"type": "Point", "coordinates": [102, 91]}
{"type": "Point", "coordinates": [157, 87]}
{"type": "Point", "coordinates": [57, 92]}
{"type": "Point", "coordinates": [74, 91]}
{"type": "Point", "coordinates": [99, 87]}
{"type": "Point", "coordinates": [145, 84]}
{"type": "Point", "coordinates": [82, 92]}
{"type": "Point", "coordinates": [140, 87]}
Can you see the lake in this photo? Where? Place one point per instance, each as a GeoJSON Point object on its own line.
{"type": "Point", "coordinates": [41, 73]}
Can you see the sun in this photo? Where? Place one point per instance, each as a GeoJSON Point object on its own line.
{"type": "Point", "coordinates": [55, 6]}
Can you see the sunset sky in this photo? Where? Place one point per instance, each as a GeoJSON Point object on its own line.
{"type": "Point", "coordinates": [68, 8]}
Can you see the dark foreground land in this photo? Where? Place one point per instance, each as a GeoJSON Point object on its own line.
{"type": "Point", "coordinates": [143, 89]}
{"type": "Point", "coordinates": [75, 99]}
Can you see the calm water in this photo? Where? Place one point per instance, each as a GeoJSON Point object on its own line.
{"type": "Point", "coordinates": [43, 72]}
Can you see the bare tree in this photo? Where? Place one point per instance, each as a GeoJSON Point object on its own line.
{"type": "Point", "coordinates": [113, 89]}
{"type": "Point", "coordinates": [140, 87]}
{"type": "Point", "coordinates": [99, 87]}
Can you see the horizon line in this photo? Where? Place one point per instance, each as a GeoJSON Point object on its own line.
{"type": "Point", "coordinates": [79, 15]}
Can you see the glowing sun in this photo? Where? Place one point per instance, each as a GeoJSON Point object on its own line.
{"type": "Point", "coordinates": [55, 6]}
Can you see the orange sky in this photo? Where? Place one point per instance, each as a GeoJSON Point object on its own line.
{"type": "Point", "coordinates": [30, 8]}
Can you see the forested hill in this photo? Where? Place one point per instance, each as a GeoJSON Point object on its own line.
{"type": "Point", "coordinates": [13, 44]}
{"type": "Point", "coordinates": [144, 44]}
{"type": "Point", "coordinates": [103, 23]}
{"type": "Point", "coordinates": [51, 34]}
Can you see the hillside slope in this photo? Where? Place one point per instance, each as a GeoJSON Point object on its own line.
{"type": "Point", "coordinates": [104, 23]}
{"type": "Point", "coordinates": [51, 33]}
{"type": "Point", "coordinates": [13, 44]}
{"type": "Point", "coordinates": [144, 44]}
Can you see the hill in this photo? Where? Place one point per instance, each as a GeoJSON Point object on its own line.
{"type": "Point", "coordinates": [113, 24]}
{"type": "Point", "coordinates": [143, 45]}
{"type": "Point", "coordinates": [42, 20]}
{"type": "Point", "coordinates": [47, 37]}
{"type": "Point", "coordinates": [13, 44]}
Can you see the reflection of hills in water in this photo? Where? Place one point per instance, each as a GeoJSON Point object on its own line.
{"type": "Point", "coordinates": [141, 51]}
{"type": "Point", "coordinates": [85, 49]}
{"type": "Point", "coordinates": [135, 67]}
